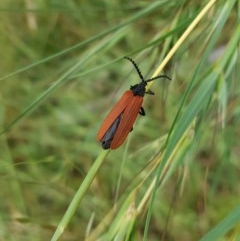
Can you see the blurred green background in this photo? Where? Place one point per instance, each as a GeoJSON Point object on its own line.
{"type": "Point", "coordinates": [61, 71]}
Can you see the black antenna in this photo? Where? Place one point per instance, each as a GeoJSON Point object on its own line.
{"type": "Point", "coordinates": [136, 67]}
{"type": "Point", "coordinates": [140, 74]}
{"type": "Point", "coordinates": [157, 77]}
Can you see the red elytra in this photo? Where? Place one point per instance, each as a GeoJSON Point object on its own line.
{"type": "Point", "coordinates": [119, 122]}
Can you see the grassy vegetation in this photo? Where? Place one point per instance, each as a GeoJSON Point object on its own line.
{"type": "Point", "coordinates": [177, 176]}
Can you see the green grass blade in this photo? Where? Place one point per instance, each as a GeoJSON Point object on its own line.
{"type": "Point", "coordinates": [198, 102]}
{"type": "Point", "coordinates": [65, 77]}
{"type": "Point", "coordinates": [138, 15]}
{"type": "Point", "coordinates": [231, 220]}
{"type": "Point", "coordinates": [79, 196]}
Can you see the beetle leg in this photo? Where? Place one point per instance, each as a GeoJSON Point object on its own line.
{"type": "Point", "coordinates": [142, 111]}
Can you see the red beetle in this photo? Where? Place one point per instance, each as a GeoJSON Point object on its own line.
{"type": "Point", "coordinates": [119, 122]}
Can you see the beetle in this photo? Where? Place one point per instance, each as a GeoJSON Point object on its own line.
{"type": "Point", "coordinates": [119, 122]}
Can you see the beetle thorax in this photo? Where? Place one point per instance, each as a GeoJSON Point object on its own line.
{"type": "Point", "coordinates": [139, 89]}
